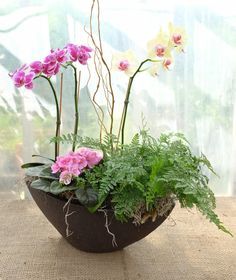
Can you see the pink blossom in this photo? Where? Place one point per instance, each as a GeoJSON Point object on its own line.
{"type": "Point", "coordinates": [55, 168]}
{"type": "Point", "coordinates": [83, 56]}
{"type": "Point", "coordinates": [50, 65]}
{"type": "Point", "coordinates": [65, 177]}
{"type": "Point", "coordinates": [86, 48]}
{"type": "Point", "coordinates": [73, 163]}
{"type": "Point", "coordinates": [21, 78]}
{"type": "Point", "coordinates": [61, 55]}
{"type": "Point", "coordinates": [80, 53]}
{"type": "Point", "coordinates": [29, 80]}
{"type": "Point", "coordinates": [123, 65]}
{"type": "Point", "coordinates": [36, 67]}
{"type": "Point", "coordinates": [72, 51]}
{"type": "Point", "coordinates": [93, 157]}
{"type": "Point", "coordinates": [18, 78]}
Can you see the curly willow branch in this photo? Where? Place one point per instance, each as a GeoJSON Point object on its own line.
{"type": "Point", "coordinates": [100, 122]}
{"type": "Point", "coordinates": [100, 57]}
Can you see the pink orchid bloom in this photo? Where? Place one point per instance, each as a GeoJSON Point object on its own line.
{"type": "Point", "coordinates": [72, 51]}
{"type": "Point", "coordinates": [21, 78]}
{"type": "Point", "coordinates": [83, 56]}
{"type": "Point", "coordinates": [86, 48]}
{"type": "Point", "coordinates": [61, 55]}
{"type": "Point", "coordinates": [36, 67]}
{"type": "Point", "coordinates": [50, 65]}
{"type": "Point", "coordinates": [18, 78]}
{"type": "Point", "coordinates": [80, 53]}
{"type": "Point", "coordinates": [28, 80]}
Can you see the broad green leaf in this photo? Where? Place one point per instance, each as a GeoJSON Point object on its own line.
{"type": "Point", "coordinates": [41, 184]}
{"type": "Point", "coordinates": [44, 157]}
{"type": "Point", "coordinates": [46, 173]}
{"type": "Point", "coordinates": [93, 209]}
{"type": "Point", "coordinates": [34, 171]}
{"type": "Point", "coordinates": [31, 164]}
{"type": "Point", "coordinates": [87, 197]}
{"type": "Point", "coordinates": [56, 188]}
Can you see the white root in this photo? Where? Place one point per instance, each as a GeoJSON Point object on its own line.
{"type": "Point", "coordinates": [67, 214]}
{"type": "Point", "coordinates": [114, 244]}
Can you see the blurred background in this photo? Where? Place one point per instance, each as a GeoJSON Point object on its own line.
{"type": "Point", "coordinates": [197, 97]}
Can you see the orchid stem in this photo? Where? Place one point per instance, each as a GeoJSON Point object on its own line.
{"type": "Point", "coordinates": [58, 122]}
{"type": "Point", "coordinates": [126, 103]}
{"type": "Point", "coordinates": [76, 107]}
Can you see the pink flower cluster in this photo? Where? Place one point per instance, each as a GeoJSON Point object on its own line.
{"type": "Point", "coordinates": [73, 163]}
{"type": "Point", "coordinates": [51, 64]}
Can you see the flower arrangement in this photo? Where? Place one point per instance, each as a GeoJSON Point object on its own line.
{"type": "Point", "coordinates": [137, 180]}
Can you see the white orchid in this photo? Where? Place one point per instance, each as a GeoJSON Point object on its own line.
{"type": "Point", "coordinates": [126, 62]}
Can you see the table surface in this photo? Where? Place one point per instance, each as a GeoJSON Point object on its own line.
{"type": "Point", "coordinates": [185, 247]}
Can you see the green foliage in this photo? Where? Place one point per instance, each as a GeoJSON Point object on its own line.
{"type": "Point", "coordinates": [53, 187]}
{"type": "Point", "coordinates": [31, 164]}
{"type": "Point", "coordinates": [80, 141]}
{"type": "Point", "coordinates": [136, 176]}
{"type": "Point", "coordinates": [176, 171]}
{"type": "Point", "coordinates": [87, 197]}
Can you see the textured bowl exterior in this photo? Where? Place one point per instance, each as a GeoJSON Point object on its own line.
{"type": "Point", "coordinates": [87, 231]}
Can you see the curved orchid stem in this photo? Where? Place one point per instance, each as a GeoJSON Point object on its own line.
{"type": "Point", "coordinates": [58, 122]}
{"type": "Point", "coordinates": [126, 102]}
{"type": "Point", "coordinates": [76, 107]}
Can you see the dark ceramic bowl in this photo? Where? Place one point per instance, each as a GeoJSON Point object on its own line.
{"type": "Point", "coordinates": [87, 231]}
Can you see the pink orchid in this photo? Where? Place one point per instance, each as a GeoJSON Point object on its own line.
{"type": "Point", "coordinates": [36, 67]}
{"type": "Point", "coordinates": [80, 53]}
{"type": "Point", "coordinates": [50, 65]}
{"type": "Point", "coordinates": [18, 78]}
{"type": "Point", "coordinates": [21, 78]}
{"type": "Point", "coordinates": [28, 80]}
{"type": "Point", "coordinates": [83, 54]}
{"type": "Point", "coordinates": [61, 55]}
{"type": "Point", "coordinates": [86, 48]}
{"type": "Point", "coordinates": [72, 51]}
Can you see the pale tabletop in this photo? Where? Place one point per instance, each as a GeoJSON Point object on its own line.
{"type": "Point", "coordinates": [191, 249]}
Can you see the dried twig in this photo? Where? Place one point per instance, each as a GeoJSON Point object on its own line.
{"type": "Point", "coordinates": [94, 106]}
{"type": "Point", "coordinates": [98, 48]}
